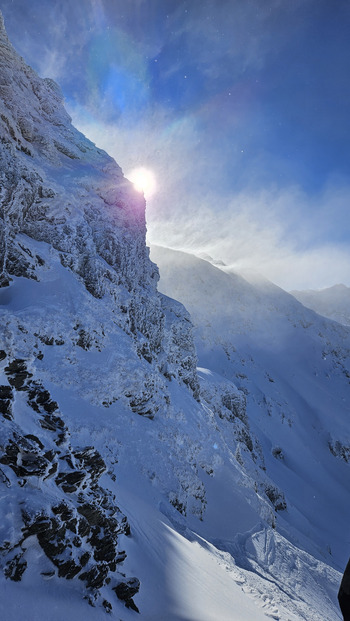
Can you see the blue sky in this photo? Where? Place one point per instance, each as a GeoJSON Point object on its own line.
{"type": "Point", "coordinates": [240, 107]}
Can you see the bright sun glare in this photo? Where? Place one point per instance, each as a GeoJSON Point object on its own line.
{"type": "Point", "coordinates": [143, 180]}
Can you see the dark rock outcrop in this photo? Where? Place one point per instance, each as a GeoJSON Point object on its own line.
{"type": "Point", "coordinates": [80, 533]}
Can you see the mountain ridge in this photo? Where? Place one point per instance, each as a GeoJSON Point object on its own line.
{"type": "Point", "coordinates": [332, 302]}
{"type": "Point", "coordinates": [131, 481]}
{"type": "Point", "coordinates": [279, 353]}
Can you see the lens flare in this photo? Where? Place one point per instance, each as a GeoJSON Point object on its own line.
{"type": "Point", "coordinates": [143, 180]}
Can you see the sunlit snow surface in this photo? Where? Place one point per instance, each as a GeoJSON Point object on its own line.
{"type": "Point", "coordinates": [238, 509]}
{"type": "Point", "coordinates": [293, 367]}
{"type": "Point", "coordinates": [231, 565]}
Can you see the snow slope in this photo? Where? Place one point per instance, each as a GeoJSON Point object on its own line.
{"type": "Point", "coordinates": [130, 482]}
{"type": "Point", "coordinates": [293, 367]}
{"type": "Point", "coordinates": [333, 302]}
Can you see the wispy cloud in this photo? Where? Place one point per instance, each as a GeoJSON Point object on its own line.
{"type": "Point", "coordinates": [259, 232]}
{"type": "Point", "coordinates": [289, 236]}
{"type": "Point", "coordinates": [220, 99]}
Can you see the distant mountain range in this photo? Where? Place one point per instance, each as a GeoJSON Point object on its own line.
{"type": "Point", "coordinates": [333, 302]}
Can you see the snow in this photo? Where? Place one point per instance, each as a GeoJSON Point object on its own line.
{"type": "Point", "coordinates": [292, 365]}
{"type": "Point", "coordinates": [189, 568]}
{"type": "Point", "coordinates": [333, 302]}
{"type": "Point", "coordinates": [232, 476]}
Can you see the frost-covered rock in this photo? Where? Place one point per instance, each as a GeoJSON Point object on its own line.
{"type": "Point", "coordinates": [59, 189]}
{"type": "Point", "coordinates": [54, 490]}
{"type": "Point", "coordinates": [79, 310]}
{"type": "Point", "coordinates": [126, 481]}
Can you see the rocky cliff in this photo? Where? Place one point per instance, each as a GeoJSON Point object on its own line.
{"type": "Point", "coordinates": [79, 308]}
{"type": "Point", "coordinates": [59, 189]}
{"type": "Point", "coordinates": [128, 479]}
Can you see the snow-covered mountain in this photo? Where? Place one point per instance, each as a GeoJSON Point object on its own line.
{"type": "Point", "coordinates": [293, 367]}
{"type": "Point", "coordinates": [333, 302]}
{"type": "Point", "coordinates": [131, 482]}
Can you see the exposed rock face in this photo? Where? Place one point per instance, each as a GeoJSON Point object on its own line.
{"type": "Point", "coordinates": [81, 314]}
{"type": "Point", "coordinates": [73, 255]}
{"type": "Point", "coordinates": [108, 438]}
{"type": "Point", "coordinates": [340, 450]}
{"type": "Point", "coordinates": [57, 187]}
{"type": "Point", "coordinates": [229, 404]}
{"type": "Point", "coordinates": [78, 529]}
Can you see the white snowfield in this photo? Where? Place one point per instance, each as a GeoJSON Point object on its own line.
{"type": "Point", "coordinates": [128, 478]}
{"type": "Point", "coordinates": [293, 368]}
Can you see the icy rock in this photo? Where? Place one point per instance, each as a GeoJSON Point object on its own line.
{"type": "Point", "coordinates": [18, 374]}
{"type": "Point", "coordinates": [340, 450]}
{"type": "Point", "coordinates": [276, 497]}
{"type": "Point", "coordinates": [6, 397]}
{"type": "Point", "coordinates": [16, 567]}
{"type": "Point", "coordinates": [229, 404]}
{"type": "Point", "coordinates": [178, 341]}
{"type": "Point", "coordinates": [89, 215]}
{"type": "Point", "coordinates": [126, 591]}
{"type": "Point", "coordinates": [78, 526]}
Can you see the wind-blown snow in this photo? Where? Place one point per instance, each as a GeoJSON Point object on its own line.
{"type": "Point", "coordinates": [293, 367]}
{"type": "Point", "coordinates": [333, 302]}
{"type": "Point", "coordinates": [130, 480]}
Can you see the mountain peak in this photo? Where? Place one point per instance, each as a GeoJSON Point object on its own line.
{"type": "Point", "coordinates": [101, 405]}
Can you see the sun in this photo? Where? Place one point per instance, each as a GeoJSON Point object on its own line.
{"type": "Point", "coordinates": [143, 180]}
